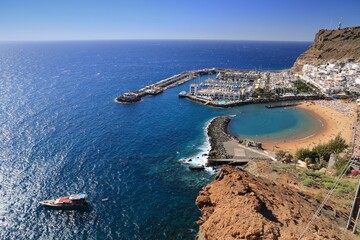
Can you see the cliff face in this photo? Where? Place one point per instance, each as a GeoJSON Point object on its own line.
{"type": "Point", "coordinates": [238, 205]}
{"type": "Point", "coordinates": [332, 46]}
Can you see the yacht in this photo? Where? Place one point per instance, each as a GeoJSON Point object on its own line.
{"type": "Point", "coordinates": [72, 202]}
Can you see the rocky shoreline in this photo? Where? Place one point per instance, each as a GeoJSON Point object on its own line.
{"type": "Point", "coordinates": [217, 132]}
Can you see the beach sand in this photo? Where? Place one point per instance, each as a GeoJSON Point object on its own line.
{"type": "Point", "coordinates": [337, 117]}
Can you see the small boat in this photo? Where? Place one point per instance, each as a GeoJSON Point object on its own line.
{"type": "Point", "coordinates": [197, 168]}
{"type": "Point", "coordinates": [72, 202]}
{"type": "Point", "coordinates": [104, 199]}
{"type": "Point", "coordinates": [182, 94]}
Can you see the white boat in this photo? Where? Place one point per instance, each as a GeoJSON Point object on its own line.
{"type": "Point", "coordinates": [72, 202]}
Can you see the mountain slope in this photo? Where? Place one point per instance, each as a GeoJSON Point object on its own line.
{"type": "Point", "coordinates": [331, 46]}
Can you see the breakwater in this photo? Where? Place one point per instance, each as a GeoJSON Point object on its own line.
{"type": "Point", "coordinates": [217, 132]}
{"type": "Point", "coordinates": [162, 85]}
{"type": "Point", "coordinates": [282, 105]}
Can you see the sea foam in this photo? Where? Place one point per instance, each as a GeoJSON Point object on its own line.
{"type": "Point", "coordinates": [201, 157]}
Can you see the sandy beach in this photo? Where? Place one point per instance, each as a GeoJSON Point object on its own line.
{"type": "Point", "coordinates": [336, 116]}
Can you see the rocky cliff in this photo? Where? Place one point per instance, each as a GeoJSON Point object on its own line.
{"type": "Point", "coordinates": [330, 46]}
{"type": "Point", "coordinates": [238, 205]}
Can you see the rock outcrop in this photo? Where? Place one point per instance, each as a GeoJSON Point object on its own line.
{"type": "Point", "coordinates": [238, 205]}
{"type": "Point", "coordinates": [331, 46]}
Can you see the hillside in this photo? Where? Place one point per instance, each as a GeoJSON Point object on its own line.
{"type": "Point", "coordinates": [239, 205]}
{"type": "Point", "coordinates": [331, 46]}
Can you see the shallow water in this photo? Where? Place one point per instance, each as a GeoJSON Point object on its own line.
{"type": "Point", "coordinates": [262, 124]}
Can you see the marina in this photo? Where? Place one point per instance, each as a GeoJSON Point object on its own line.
{"type": "Point", "coordinates": [231, 87]}
{"type": "Point", "coordinates": [240, 87]}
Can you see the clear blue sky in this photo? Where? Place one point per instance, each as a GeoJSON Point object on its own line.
{"type": "Point", "coordinates": [295, 20]}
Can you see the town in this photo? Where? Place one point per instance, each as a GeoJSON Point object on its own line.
{"type": "Point", "coordinates": [335, 78]}
{"type": "Point", "coordinates": [237, 87]}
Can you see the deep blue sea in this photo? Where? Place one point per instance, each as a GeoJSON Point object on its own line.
{"type": "Point", "coordinates": [61, 133]}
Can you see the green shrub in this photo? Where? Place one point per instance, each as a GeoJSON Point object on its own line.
{"type": "Point", "coordinates": [328, 185]}
{"type": "Point", "coordinates": [321, 151]}
{"type": "Point", "coordinates": [304, 153]}
{"type": "Point", "coordinates": [308, 182]}
{"type": "Point", "coordinates": [302, 87]}
{"type": "Point", "coordinates": [337, 145]}
{"type": "Point", "coordinates": [308, 160]}
{"type": "Point", "coordinates": [313, 174]}
{"type": "Point", "coordinates": [340, 163]}
{"type": "Point", "coordinates": [319, 197]}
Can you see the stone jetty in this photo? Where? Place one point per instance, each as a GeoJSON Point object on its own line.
{"type": "Point", "coordinates": [217, 132]}
{"type": "Point", "coordinates": [162, 85]}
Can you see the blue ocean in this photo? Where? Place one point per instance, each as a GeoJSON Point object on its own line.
{"type": "Point", "coordinates": [62, 133]}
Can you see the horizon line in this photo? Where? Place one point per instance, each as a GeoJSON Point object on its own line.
{"type": "Point", "coordinates": [145, 39]}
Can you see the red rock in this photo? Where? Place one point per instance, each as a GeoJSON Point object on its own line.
{"type": "Point", "coordinates": [238, 205]}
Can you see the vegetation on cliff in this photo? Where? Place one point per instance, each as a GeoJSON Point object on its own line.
{"type": "Point", "coordinates": [320, 153]}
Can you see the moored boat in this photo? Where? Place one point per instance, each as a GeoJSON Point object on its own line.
{"type": "Point", "coordinates": [182, 94]}
{"type": "Point", "coordinates": [72, 202]}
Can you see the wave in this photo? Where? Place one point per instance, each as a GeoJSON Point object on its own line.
{"type": "Point", "coordinates": [310, 136]}
{"type": "Point", "coordinates": [200, 158]}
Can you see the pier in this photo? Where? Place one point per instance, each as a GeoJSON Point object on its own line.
{"type": "Point", "coordinates": [282, 105]}
{"type": "Point", "coordinates": [234, 162]}
{"type": "Point", "coordinates": [162, 85]}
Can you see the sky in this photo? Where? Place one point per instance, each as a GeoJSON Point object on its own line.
{"type": "Point", "coordinates": [284, 20]}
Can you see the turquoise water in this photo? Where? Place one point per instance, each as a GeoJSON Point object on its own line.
{"type": "Point", "coordinates": [262, 124]}
{"type": "Point", "coordinates": [62, 133]}
{"type": "Point", "coordinates": [221, 102]}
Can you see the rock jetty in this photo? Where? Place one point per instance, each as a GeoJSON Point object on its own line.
{"type": "Point", "coordinates": [217, 132]}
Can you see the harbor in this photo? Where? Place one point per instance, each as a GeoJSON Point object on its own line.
{"type": "Point", "coordinates": [231, 87]}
